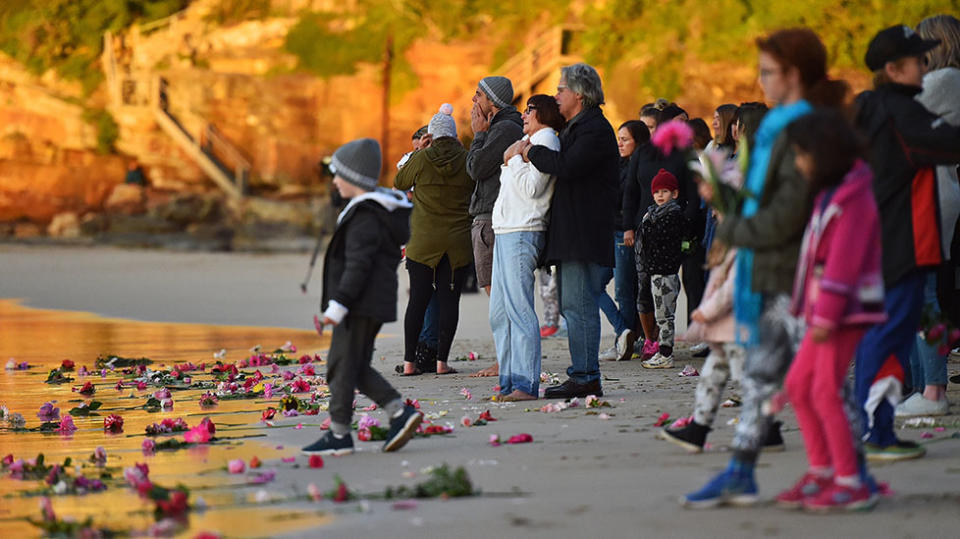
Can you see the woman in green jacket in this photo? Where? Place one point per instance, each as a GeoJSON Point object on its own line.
{"type": "Point", "coordinates": [439, 252]}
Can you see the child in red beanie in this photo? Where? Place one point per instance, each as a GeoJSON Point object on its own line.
{"type": "Point", "coordinates": [659, 247]}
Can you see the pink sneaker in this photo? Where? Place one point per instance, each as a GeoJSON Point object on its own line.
{"type": "Point", "coordinates": [838, 497]}
{"type": "Point", "coordinates": [808, 486]}
{"type": "Point", "coordinates": [650, 349]}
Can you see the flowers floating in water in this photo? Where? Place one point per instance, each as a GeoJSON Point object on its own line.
{"type": "Point", "coordinates": [48, 412]}
{"type": "Point", "coordinates": [67, 365]}
{"type": "Point", "coordinates": [66, 426]}
{"type": "Point", "coordinates": [202, 433]}
{"type": "Point", "coordinates": [208, 399]}
{"type": "Point", "coordinates": [12, 365]}
{"type": "Point", "coordinates": [148, 446]}
{"type": "Point", "coordinates": [236, 466]}
{"type": "Point", "coordinates": [99, 456]}
{"type": "Point", "coordinates": [167, 426]}
{"type": "Point", "coordinates": [113, 423]}
{"type": "Point", "coordinates": [87, 389]}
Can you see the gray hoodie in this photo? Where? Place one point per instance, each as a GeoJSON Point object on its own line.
{"type": "Point", "coordinates": [486, 156]}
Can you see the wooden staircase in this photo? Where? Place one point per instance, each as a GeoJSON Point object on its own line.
{"type": "Point", "coordinates": [541, 59]}
{"type": "Point", "coordinates": [220, 160]}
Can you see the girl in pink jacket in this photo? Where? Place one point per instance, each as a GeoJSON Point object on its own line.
{"type": "Point", "coordinates": [839, 293]}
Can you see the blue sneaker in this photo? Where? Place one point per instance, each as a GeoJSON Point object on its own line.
{"type": "Point", "coordinates": [328, 444]}
{"type": "Point", "coordinates": [402, 428]}
{"type": "Point", "coordinates": [730, 487]}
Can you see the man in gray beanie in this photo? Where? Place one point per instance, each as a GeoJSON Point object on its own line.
{"type": "Point", "coordinates": [496, 125]}
{"type": "Point", "coordinates": [360, 295]}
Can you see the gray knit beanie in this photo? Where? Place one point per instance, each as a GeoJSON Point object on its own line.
{"type": "Point", "coordinates": [442, 123]}
{"type": "Point", "coordinates": [358, 162]}
{"type": "Point", "coordinates": [499, 90]}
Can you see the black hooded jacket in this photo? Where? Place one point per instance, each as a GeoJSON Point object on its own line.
{"type": "Point", "coordinates": [360, 265]}
{"type": "Point", "coordinates": [905, 142]}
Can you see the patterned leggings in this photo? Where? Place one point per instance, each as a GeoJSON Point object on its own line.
{"type": "Point", "coordinates": [724, 362]}
{"type": "Point", "coordinates": [665, 289]}
{"type": "Point", "coordinates": [548, 294]}
{"type": "Point", "coordinates": [765, 366]}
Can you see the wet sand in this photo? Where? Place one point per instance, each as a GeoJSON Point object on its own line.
{"type": "Point", "coordinates": [582, 476]}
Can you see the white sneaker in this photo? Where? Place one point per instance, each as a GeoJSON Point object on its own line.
{"type": "Point", "coordinates": [624, 345]}
{"type": "Point", "coordinates": [610, 354]}
{"type": "Point", "coordinates": [917, 405]}
{"type": "Point", "coordinates": [658, 362]}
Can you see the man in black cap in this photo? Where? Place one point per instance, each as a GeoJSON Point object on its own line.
{"type": "Point", "coordinates": [905, 141]}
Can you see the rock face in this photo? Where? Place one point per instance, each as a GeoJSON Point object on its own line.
{"type": "Point", "coordinates": [64, 225]}
{"type": "Point", "coordinates": [125, 200]}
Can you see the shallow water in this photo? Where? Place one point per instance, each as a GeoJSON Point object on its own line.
{"type": "Point", "coordinates": [44, 338]}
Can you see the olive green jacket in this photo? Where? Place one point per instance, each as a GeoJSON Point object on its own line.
{"type": "Point", "coordinates": [441, 220]}
{"type": "Point", "coordinates": [776, 230]}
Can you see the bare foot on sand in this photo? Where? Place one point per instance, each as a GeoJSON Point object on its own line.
{"type": "Point", "coordinates": [489, 371]}
{"type": "Point", "coordinates": [517, 395]}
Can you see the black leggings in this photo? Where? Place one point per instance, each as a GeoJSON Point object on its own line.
{"type": "Point", "coordinates": [423, 280]}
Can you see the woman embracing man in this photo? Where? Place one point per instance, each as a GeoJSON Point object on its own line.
{"type": "Point", "coordinates": [520, 218]}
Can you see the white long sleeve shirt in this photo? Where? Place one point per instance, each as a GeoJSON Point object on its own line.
{"type": "Point", "coordinates": [524, 200]}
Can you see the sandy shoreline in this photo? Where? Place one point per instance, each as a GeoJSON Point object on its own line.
{"type": "Point", "coordinates": [583, 476]}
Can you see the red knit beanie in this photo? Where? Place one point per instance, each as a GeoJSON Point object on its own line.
{"type": "Point", "coordinates": [664, 180]}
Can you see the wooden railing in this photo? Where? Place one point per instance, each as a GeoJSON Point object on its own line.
{"type": "Point", "coordinates": [543, 56]}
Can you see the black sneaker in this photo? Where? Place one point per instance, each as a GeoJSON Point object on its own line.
{"type": "Point", "coordinates": [571, 389]}
{"type": "Point", "coordinates": [328, 444]}
{"type": "Point", "coordinates": [402, 429]}
{"type": "Point", "coordinates": [691, 437]}
{"type": "Point", "coordinates": [774, 440]}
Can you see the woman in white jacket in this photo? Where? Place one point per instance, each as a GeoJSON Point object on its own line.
{"type": "Point", "coordinates": [520, 224]}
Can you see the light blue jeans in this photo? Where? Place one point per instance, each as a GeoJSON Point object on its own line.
{"type": "Point", "coordinates": [580, 287]}
{"type": "Point", "coordinates": [927, 367]}
{"type": "Point", "coordinates": [622, 315]}
{"type": "Point", "coordinates": [513, 317]}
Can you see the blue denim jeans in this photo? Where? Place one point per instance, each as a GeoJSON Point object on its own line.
{"type": "Point", "coordinates": [429, 334]}
{"type": "Point", "coordinates": [927, 367]}
{"type": "Point", "coordinates": [513, 317]}
{"type": "Point", "coordinates": [580, 288]}
{"type": "Point", "coordinates": [622, 314]}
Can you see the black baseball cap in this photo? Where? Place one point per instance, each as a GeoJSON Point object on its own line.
{"type": "Point", "coordinates": [894, 43]}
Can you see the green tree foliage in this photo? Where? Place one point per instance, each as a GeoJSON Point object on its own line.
{"type": "Point", "coordinates": [107, 129]}
{"type": "Point", "coordinates": [336, 43]}
{"type": "Point", "coordinates": [663, 35]}
{"type": "Point", "coordinates": [67, 35]}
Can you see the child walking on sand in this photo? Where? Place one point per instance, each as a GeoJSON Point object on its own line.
{"type": "Point", "coordinates": [839, 292]}
{"type": "Point", "coordinates": [360, 294]}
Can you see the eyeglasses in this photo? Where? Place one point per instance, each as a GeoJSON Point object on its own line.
{"type": "Point", "coordinates": [530, 109]}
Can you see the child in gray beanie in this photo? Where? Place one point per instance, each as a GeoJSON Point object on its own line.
{"type": "Point", "coordinates": [360, 295]}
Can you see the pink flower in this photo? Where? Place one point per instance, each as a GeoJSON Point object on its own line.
{"type": "Point", "coordinates": [366, 422]}
{"type": "Point", "coordinates": [370, 408]}
{"type": "Point", "coordinates": [289, 459]}
{"type": "Point", "coordinates": [466, 393]}
{"type": "Point", "coordinates": [137, 474]}
{"type": "Point", "coordinates": [314, 492]}
{"type": "Point", "coordinates": [148, 446]}
{"type": "Point", "coordinates": [301, 386]}
{"type": "Point", "coordinates": [141, 386]}
{"type": "Point", "coordinates": [315, 461]}
{"type": "Point", "coordinates": [66, 426]}
{"type": "Point", "coordinates": [236, 466]}
{"type": "Point", "coordinates": [268, 391]}
{"type": "Point", "coordinates": [673, 134]}
{"type": "Point", "coordinates": [100, 456]}
{"type": "Point", "coordinates": [682, 422]}
{"type": "Point", "coordinates": [662, 420]}
{"type": "Point", "coordinates": [113, 423]}
{"type": "Point", "coordinates": [47, 506]}
{"type": "Point", "coordinates": [162, 394]}
{"type": "Point", "coordinates": [471, 356]}
{"type": "Point", "coordinates": [466, 421]}
{"type": "Point", "coordinates": [926, 435]}
{"type": "Point", "coordinates": [520, 439]}
{"type": "Point", "coordinates": [494, 440]}
{"type": "Point", "coordinates": [287, 376]}
{"type": "Point", "coordinates": [198, 435]}
{"type": "Point", "coordinates": [298, 427]}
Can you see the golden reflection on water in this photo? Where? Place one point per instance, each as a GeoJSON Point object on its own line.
{"type": "Point", "coordinates": [44, 338]}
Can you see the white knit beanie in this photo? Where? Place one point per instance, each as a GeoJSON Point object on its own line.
{"type": "Point", "coordinates": [442, 123]}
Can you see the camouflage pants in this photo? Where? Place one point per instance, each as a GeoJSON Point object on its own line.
{"type": "Point", "coordinates": [665, 290]}
{"type": "Point", "coordinates": [724, 363]}
{"type": "Point", "coordinates": [548, 294]}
